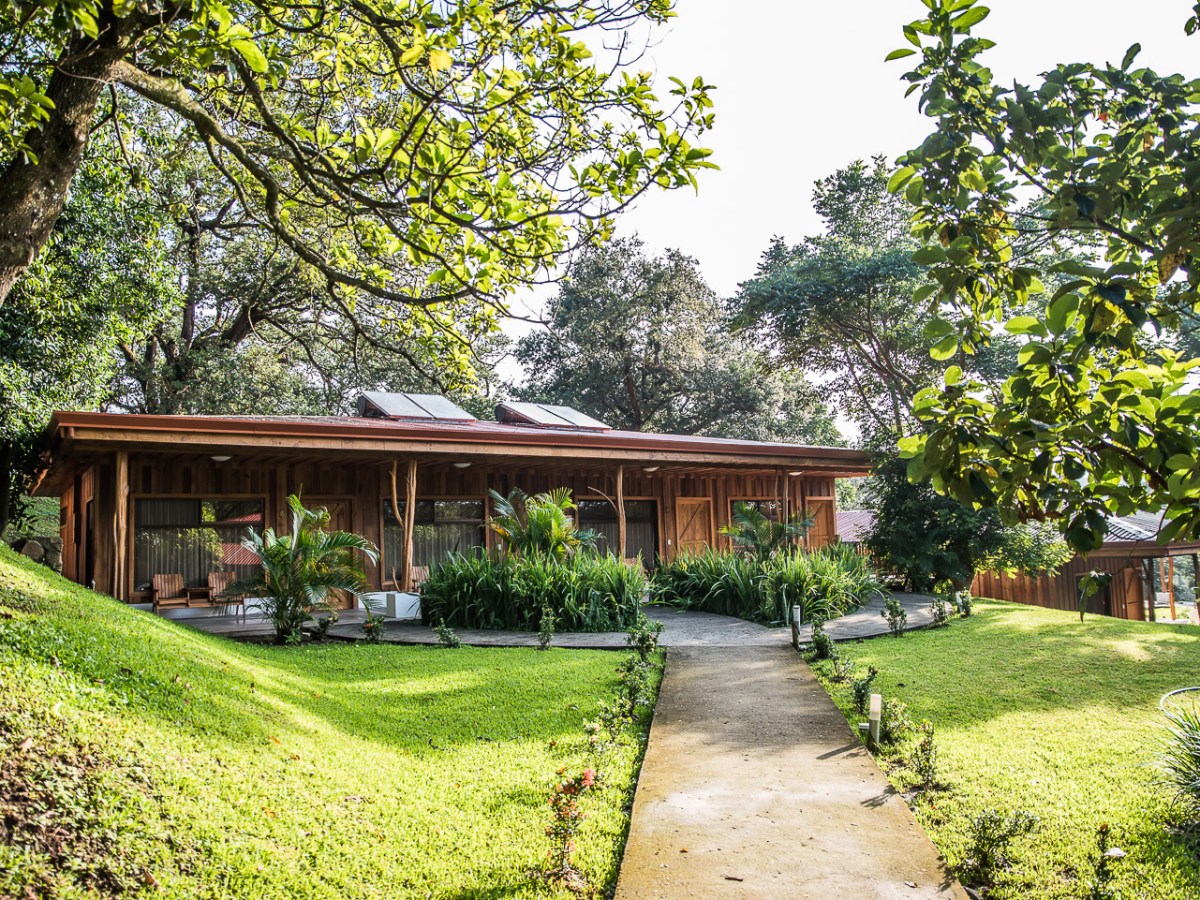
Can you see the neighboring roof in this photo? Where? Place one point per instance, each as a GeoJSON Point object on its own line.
{"type": "Point", "coordinates": [853, 525]}
{"type": "Point", "coordinates": [1140, 528]}
{"type": "Point", "coordinates": [81, 432]}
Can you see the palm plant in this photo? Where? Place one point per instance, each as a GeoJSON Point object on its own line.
{"type": "Point", "coordinates": [541, 525]}
{"type": "Point", "coordinates": [758, 535]}
{"type": "Point", "coordinates": [301, 570]}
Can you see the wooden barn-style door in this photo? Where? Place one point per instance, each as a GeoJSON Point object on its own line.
{"type": "Point", "coordinates": [694, 516]}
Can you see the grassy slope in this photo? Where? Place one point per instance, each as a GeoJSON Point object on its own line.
{"type": "Point", "coordinates": [333, 771]}
{"type": "Point", "coordinates": [1033, 709]}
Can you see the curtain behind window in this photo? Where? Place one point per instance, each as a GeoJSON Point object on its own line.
{"type": "Point", "coordinates": [192, 538]}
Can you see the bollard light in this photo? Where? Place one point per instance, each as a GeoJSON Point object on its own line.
{"type": "Point", "coordinates": [876, 714]}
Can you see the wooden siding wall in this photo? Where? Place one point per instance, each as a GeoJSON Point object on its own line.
{"type": "Point", "coordinates": [1125, 597]}
{"type": "Point", "coordinates": [365, 486]}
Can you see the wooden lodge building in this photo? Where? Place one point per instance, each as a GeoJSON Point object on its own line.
{"type": "Point", "coordinates": [148, 497]}
{"type": "Point", "coordinates": [1142, 570]}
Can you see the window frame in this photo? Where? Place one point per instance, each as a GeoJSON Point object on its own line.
{"type": "Point", "coordinates": [131, 531]}
{"type": "Point", "coordinates": [385, 568]}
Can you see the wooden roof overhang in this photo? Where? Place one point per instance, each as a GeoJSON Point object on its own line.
{"type": "Point", "coordinates": [77, 438]}
{"type": "Point", "coordinates": [1146, 549]}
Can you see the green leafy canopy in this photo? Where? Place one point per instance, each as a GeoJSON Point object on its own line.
{"type": "Point", "coordinates": [1099, 415]}
{"type": "Point", "coordinates": [415, 150]}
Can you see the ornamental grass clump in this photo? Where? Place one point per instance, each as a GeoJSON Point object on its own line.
{"type": "Point", "coordinates": [585, 592]}
{"type": "Point", "coordinates": [1180, 760]}
{"type": "Point", "coordinates": [825, 583]}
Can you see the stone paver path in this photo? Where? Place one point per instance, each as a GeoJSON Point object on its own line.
{"type": "Point", "coordinates": [754, 786]}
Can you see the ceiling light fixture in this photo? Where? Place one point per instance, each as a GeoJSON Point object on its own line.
{"type": "Point", "coordinates": [462, 465]}
{"type": "Point", "coordinates": [795, 473]}
{"type": "Point", "coordinates": [651, 468]}
{"type": "Point", "coordinates": [221, 458]}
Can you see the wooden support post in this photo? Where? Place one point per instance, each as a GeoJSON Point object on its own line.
{"type": "Point", "coordinates": [410, 513]}
{"type": "Point", "coordinates": [621, 510]}
{"type": "Point", "coordinates": [121, 527]}
{"type": "Point", "coordinates": [1148, 580]}
{"type": "Point", "coordinates": [1171, 584]}
{"type": "Point", "coordinates": [283, 513]}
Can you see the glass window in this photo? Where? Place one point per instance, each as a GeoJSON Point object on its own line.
{"type": "Point", "coordinates": [641, 527]}
{"type": "Point", "coordinates": [769, 508]}
{"type": "Point", "coordinates": [439, 527]}
{"type": "Point", "coordinates": [193, 538]}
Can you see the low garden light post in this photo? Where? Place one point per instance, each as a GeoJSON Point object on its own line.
{"type": "Point", "coordinates": [873, 721]}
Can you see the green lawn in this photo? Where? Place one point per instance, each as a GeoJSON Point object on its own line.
{"type": "Point", "coordinates": [1034, 710]}
{"type": "Point", "coordinates": [134, 751]}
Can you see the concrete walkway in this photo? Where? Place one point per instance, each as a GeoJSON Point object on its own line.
{"type": "Point", "coordinates": [681, 629]}
{"type": "Point", "coordinates": [754, 786]}
{"type": "Point", "coordinates": [867, 621]}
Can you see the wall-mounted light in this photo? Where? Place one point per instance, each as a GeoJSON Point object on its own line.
{"type": "Point", "coordinates": [462, 465]}
{"type": "Point", "coordinates": [651, 468]}
{"type": "Point", "coordinates": [220, 458]}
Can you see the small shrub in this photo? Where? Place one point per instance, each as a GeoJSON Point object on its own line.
{"type": "Point", "coordinates": [322, 624]}
{"type": "Point", "coordinates": [372, 626]}
{"type": "Point", "coordinates": [566, 815]}
{"type": "Point", "coordinates": [989, 834]}
{"type": "Point", "coordinates": [612, 720]}
{"type": "Point", "coordinates": [822, 643]}
{"type": "Point", "coordinates": [897, 618]}
{"type": "Point", "coordinates": [923, 760]}
{"type": "Point", "coordinates": [1102, 876]}
{"type": "Point", "coordinates": [862, 689]}
{"type": "Point", "coordinates": [965, 603]}
{"type": "Point", "coordinates": [643, 637]}
{"type": "Point", "coordinates": [1180, 759]}
{"type": "Point", "coordinates": [843, 669]}
{"type": "Point", "coordinates": [940, 610]}
{"type": "Point", "coordinates": [894, 723]}
{"type": "Point", "coordinates": [635, 687]}
{"type": "Point", "coordinates": [546, 628]}
{"type": "Point", "coordinates": [446, 636]}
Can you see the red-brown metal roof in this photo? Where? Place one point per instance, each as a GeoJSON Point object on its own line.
{"type": "Point", "coordinates": [350, 428]}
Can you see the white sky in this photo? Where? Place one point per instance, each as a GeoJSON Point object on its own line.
{"type": "Point", "coordinates": [802, 89]}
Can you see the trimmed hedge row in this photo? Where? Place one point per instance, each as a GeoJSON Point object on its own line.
{"type": "Point", "coordinates": [587, 592]}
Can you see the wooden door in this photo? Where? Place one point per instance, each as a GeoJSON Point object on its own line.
{"type": "Point", "coordinates": [340, 519]}
{"type": "Point", "coordinates": [824, 521]}
{"type": "Point", "coordinates": [1135, 602]}
{"type": "Point", "coordinates": [694, 523]}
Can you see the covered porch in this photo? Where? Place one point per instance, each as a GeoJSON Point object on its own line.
{"type": "Point", "coordinates": [149, 496]}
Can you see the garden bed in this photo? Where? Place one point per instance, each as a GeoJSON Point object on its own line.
{"type": "Point", "coordinates": [1033, 710]}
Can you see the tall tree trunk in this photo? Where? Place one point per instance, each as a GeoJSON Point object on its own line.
{"type": "Point", "coordinates": [32, 194]}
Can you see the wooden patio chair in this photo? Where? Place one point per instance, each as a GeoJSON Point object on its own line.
{"type": "Point", "coordinates": [420, 574]}
{"type": "Point", "coordinates": [219, 594]}
{"type": "Point", "coordinates": [168, 592]}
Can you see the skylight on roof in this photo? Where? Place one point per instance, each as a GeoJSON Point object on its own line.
{"type": "Point", "coordinates": [418, 407]}
{"type": "Point", "coordinates": [547, 416]}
